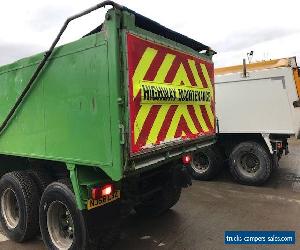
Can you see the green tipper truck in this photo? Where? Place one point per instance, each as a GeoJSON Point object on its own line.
{"type": "Point", "coordinates": [95, 128]}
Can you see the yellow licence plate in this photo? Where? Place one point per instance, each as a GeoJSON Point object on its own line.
{"type": "Point", "coordinates": [104, 200]}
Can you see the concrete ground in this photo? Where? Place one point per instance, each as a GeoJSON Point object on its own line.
{"type": "Point", "coordinates": [207, 209]}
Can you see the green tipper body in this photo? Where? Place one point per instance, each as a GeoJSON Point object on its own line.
{"type": "Point", "coordinates": [77, 111]}
{"type": "Point", "coordinates": [72, 112]}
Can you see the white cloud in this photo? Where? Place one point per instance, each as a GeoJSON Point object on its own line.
{"type": "Point", "coordinates": [231, 27]}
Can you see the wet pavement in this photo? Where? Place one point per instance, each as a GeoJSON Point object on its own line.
{"type": "Point", "coordinates": [207, 209]}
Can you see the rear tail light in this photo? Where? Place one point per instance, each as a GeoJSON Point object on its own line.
{"type": "Point", "coordinates": [186, 159]}
{"type": "Point", "coordinates": [106, 190]}
{"type": "Point", "coordinates": [98, 192]}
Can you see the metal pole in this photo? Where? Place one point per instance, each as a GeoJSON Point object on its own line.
{"type": "Point", "coordinates": [244, 68]}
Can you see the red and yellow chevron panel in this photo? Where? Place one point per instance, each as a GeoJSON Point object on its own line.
{"type": "Point", "coordinates": [171, 95]}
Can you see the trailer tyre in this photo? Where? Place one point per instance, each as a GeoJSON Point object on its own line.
{"type": "Point", "coordinates": [160, 202]}
{"type": "Point", "coordinates": [206, 163]}
{"type": "Point", "coordinates": [19, 206]}
{"type": "Point", "coordinates": [250, 163]}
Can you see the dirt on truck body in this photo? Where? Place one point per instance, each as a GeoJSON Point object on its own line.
{"type": "Point", "coordinates": [100, 126]}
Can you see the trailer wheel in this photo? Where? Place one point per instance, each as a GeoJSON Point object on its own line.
{"type": "Point", "coordinates": [19, 206]}
{"type": "Point", "coordinates": [206, 163]}
{"type": "Point", "coordinates": [159, 202]}
{"type": "Point", "coordinates": [250, 163]}
{"type": "Point", "coordinates": [62, 225]}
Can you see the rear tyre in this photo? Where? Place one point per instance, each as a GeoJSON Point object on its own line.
{"type": "Point", "coordinates": [62, 225]}
{"type": "Point", "coordinates": [160, 202]}
{"type": "Point", "coordinates": [19, 206]}
{"type": "Point", "coordinates": [206, 164]}
{"type": "Point", "coordinates": [250, 163]}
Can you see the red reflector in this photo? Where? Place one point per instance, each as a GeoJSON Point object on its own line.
{"type": "Point", "coordinates": [186, 159]}
{"type": "Point", "coordinates": [98, 192]}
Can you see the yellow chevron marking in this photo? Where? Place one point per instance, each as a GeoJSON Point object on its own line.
{"type": "Point", "coordinates": [198, 81]}
{"type": "Point", "coordinates": [206, 75]}
{"type": "Point", "coordinates": [164, 68]}
{"type": "Point", "coordinates": [160, 77]}
{"type": "Point", "coordinates": [207, 106]}
{"type": "Point", "coordinates": [138, 76]}
{"type": "Point", "coordinates": [181, 111]}
{"type": "Point", "coordinates": [195, 73]}
{"type": "Point", "coordinates": [152, 138]}
{"type": "Point", "coordinates": [173, 126]}
{"type": "Point", "coordinates": [142, 69]}
{"type": "Point", "coordinates": [189, 121]}
{"type": "Point", "coordinates": [140, 119]}
{"type": "Point", "coordinates": [200, 118]}
{"type": "Point", "coordinates": [181, 77]}
{"type": "Point", "coordinates": [210, 115]}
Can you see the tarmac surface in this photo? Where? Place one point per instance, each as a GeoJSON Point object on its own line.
{"type": "Point", "coordinates": [207, 209]}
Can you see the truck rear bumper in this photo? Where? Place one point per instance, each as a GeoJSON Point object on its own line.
{"type": "Point", "coordinates": [164, 153]}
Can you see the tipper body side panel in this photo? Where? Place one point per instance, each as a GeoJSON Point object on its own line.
{"type": "Point", "coordinates": [67, 114]}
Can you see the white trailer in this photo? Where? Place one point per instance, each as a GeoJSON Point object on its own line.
{"type": "Point", "coordinates": [258, 109]}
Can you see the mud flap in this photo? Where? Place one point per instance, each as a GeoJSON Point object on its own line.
{"type": "Point", "coordinates": [102, 218]}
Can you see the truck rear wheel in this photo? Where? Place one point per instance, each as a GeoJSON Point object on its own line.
{"type": "Point", "coordinates": [61, 223]}
{"type": "Point", "coordinates": [250, 163]}
{"type": "Point", "coordinates": [19, 206]}
{"type": "Point", "coordinates": [160, 202]}
{"type": "Point", "coordinates": [206, 163]}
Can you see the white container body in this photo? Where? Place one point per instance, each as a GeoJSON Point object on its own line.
{"type": "Point", "coordinates": [262, 102]}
